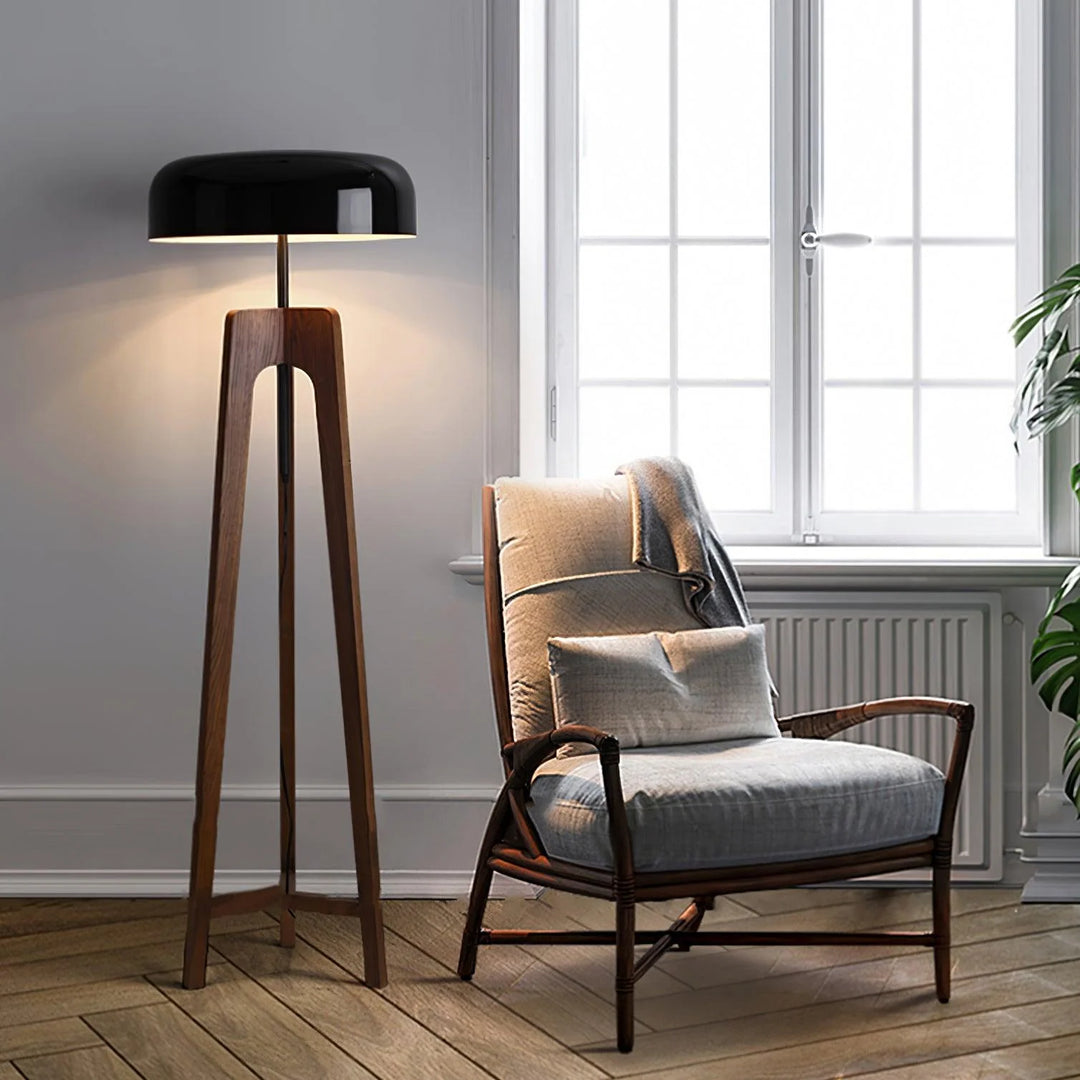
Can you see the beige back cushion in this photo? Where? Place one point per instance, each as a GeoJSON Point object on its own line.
{"type": "Point", "coordinates": [565, 558]}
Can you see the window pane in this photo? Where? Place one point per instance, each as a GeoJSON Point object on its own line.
{"type": "Point", "coordinates": [968, 117]}
{"type": "Point", "coordinates": [619, 423]}
{"type": "Point", "coordinates": [724, 118]}
{"type": "Point", "coordinates": [968, 461]}
{"type": "Point", "coordinates": [724, 313]}
{"type": "Point", "coordinates": [968, 301]}
{"type": "Point", "coordinates": [624, 157]}
{"type": "Point", "coordinates": [623, 309]}
{"type": "Point", "coordinates": [866, 312]}
{"type": "Point", "coordinates": [868, 455]}
{"type": "Point", "coordinates": [867, 116]}
{"type": "Point", "coordinates": [725, 436]}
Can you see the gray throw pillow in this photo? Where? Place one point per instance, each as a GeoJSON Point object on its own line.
{"type": "Point", "coordinates": [662, 688]}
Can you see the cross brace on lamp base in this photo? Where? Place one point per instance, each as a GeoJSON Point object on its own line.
{"type": "Point", "coordinates": [308, 339]}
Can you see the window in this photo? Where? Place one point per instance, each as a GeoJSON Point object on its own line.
{"type": "Point", "coordinates": [786, 243]}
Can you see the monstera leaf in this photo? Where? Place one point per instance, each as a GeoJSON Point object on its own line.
{"type": "Point", "coordinates": [1055, 671]}
{"type": "Point", "coordinates": [1049, 396]}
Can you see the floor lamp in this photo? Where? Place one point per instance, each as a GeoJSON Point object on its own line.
{"type": "Point", "coordinates": [276, 197]}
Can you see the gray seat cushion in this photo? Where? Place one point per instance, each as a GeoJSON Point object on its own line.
{"type": "Point", "coordinates": [739, 802]}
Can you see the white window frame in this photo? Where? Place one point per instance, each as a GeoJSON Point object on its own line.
{"type": "Point", "coordinates": [796, 385]}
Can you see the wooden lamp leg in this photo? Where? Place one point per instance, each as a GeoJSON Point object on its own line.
{"type": "Point", "coordinates": [325, 365]}
{"type": "Point", "coordinates": [240, 365]}
{"type": "Point", "coordinates": [309, 339]}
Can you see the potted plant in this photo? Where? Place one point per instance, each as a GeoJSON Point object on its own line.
{"type": "Point", "coordinates": [1048, 397]}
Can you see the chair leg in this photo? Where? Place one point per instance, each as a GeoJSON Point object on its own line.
{"type": "Point", "coordinates": [624, 974]}
{"type": "Point", "coordinates": [942, 929]}
{"type": "Point", "coordinates": [470, 938]}
{"type": "Point", "coordinates": [481, 886]}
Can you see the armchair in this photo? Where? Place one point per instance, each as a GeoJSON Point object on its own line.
{"type": "Point", "coordinates": [703, 820]}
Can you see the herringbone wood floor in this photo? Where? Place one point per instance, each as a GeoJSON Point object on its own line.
{"type": "Point", "coordinates": [89, 990]}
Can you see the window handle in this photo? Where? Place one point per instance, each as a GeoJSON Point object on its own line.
{"type": "Point", "coordinates": [809, 240]}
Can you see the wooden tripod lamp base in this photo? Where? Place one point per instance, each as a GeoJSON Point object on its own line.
{"type": "Point", "coordinates": [270, 196]}
{"type": "Point", "coordinates": [308, 339]}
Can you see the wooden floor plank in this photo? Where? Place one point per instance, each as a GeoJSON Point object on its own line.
{"type": "Point", "coordinates": [855, 1055]}
{"type": "Point", "coordinates": [271, 1039]}
{"type": "Point", "coordinates": [360, 1021]}
{"type": "Point", "coordinates": [743, 992]}
{"type": "Point", "coordinates": [811, 1023]}
{"type": "Point", "coordinates": [93, 967]}
{"type": "Point", "coordinates": [1047, 1059]}
{"type": "Point", "coordinates": [164, 1043]}
{"type": "Point", "coordinates": [39, 916]}
{"type": "Point", "coordinates": [37, 1005]}
{"type": "Point", "coordinates": [48, 1037]}
{"type": "Point", "coordinates": [89, 939]}
{"type": "Point", "coordinates": [779, 901]}
{"type": "Point", "coordinates": [79, 995]}
{"type": "Point", "coordinates": [474, 1022]}
{"type": "Point", "coordinates": [99, 1063]}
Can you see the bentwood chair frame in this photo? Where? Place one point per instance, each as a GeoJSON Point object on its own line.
{"type": "Point", "coordinates": [512, 846]}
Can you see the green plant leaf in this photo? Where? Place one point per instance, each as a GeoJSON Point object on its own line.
{"type": "Point", "coordinates": [1049, 657]}
{"type": "Point", "coordinates": [1059, 404]}
{"type": "Point", "coordinates": [1054, 347]}
{"type": "Point", "coordinates": [1066, 587]}
{"type": "Point", "coordinates": [1053, 344]}
{"type": "Point", "coordinates": [1042, 405]}
{"type": "Point", "coordinates": [1046, 306]}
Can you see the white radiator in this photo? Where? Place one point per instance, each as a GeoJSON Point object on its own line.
{"type": "Point", "coordinates": [834, 648]}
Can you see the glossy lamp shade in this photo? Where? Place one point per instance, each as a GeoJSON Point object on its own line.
{"type": "Point", "coordinates": [302, 194]}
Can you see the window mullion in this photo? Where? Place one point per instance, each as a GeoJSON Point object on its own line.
{"type": "Point", "coordinates": [673, 223]}
{"type": "Point", "coordinates": [562, 256]}
{"type": "Point", "coordinates": [916, 253]}
{"type": "Point", "coordinates": [808, 384]}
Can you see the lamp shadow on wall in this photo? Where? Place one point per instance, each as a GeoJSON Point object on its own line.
{"type": "Point", "coordinates": [110, 363]}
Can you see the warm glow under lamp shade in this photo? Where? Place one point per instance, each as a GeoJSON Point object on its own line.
{"type": "Point", "coordinates": [307, 195]}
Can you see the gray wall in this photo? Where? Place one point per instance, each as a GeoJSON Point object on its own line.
{"type": "Point", "coordinates": [109, 361]}
{"type": "Point", "coordinates": [109, 354]}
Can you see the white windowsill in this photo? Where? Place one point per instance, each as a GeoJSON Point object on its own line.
{"type": "Point", "coordinates": [872, 567]}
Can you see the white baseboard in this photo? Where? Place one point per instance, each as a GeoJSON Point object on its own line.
{"type": "Point", "coordinates": [126, 839]}
{"type": "Point", "coordinates": [1046, 887]}
{"type": "Point", "coordinates": [122, 793]}
{"type": "Point", "coordinates": [396, 884]}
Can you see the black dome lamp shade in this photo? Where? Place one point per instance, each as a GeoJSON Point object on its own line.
{"type": "Point", "coordinates": [275, 197]}
{"type": "Point", "coordinates": [303, 194]}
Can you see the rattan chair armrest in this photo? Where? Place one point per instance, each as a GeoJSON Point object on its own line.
{"type": "Point", "coordinates": [826, 722]}
{"type": "Point", "coordinates": [524, 756]}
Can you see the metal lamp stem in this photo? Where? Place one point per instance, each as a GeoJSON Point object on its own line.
{"type": "Point", "coordinates": [284, 371]}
